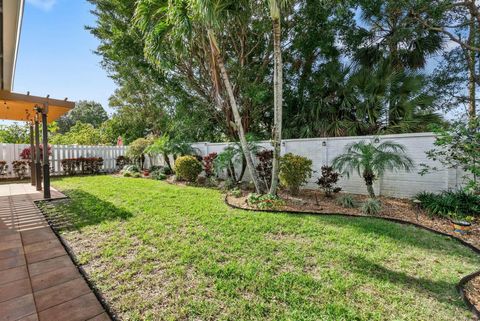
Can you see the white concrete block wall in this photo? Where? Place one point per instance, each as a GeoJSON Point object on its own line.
{"type": "Point", "coordinates": [398, 184]}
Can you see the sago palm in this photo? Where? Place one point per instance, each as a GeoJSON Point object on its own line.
{"type": "Point", "coordinates": [371, 161]}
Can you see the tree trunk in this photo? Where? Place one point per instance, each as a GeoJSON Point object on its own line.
{"type": "Point", "coordinates": [471, 61]}
{"type": "Point", "coordinates": [236, 113]}
{"type": "Point", "coordinates": [369, 177]}
{"type": "Point", "coordinates": [278, 102]}
{"type": "Point", "coordinates": [370, 190]}
{"type": "Point", "coordinates": [167, 161]}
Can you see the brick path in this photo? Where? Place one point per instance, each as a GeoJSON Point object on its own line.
{"type": "Point", "coordinates": [38, 280]}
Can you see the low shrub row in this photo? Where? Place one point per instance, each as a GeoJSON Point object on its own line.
{"type": "Point", "coordinates": [83, 165]}
{"type": "Point", "coordinates": [452, 204]}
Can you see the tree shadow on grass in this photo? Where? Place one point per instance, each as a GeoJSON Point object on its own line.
{"type": "Point", "coordinates": [442, 291]}
{"type": "Point", "coordinates": [82, 209]}
{"type": "Point", "coordinates": [403, 233]}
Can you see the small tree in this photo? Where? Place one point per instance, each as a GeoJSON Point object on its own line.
{"type": "Point", "coordinates": [328, 180]}
{"type": "Point", "coordinates": [371, 162]}
{"type": "Point", "coordinates": [137, 149]}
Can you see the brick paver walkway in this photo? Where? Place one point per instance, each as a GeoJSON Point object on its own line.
{"type": "Point", "coordinates": [38, 280]}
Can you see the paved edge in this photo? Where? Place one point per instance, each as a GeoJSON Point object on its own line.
{"type": "Point", "coordinates": [460, 285]}
{"type": "Point", "coordinates": [74, 259]}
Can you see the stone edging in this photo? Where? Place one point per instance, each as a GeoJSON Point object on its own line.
{"type": "Point", "coordinates": [73, 257]}
{"type": "Point", "coordinates": [461, 284]}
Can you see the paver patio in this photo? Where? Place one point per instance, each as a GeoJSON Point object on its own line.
{"type": "Point", "coordinates": [38, 280]}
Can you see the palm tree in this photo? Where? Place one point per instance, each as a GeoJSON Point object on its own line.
{"type": "Point", "coordinates": [157, 18]}
{"type": "Point", "coordinates": [371, 161]}
{"type": "Point", "coordinates": [275, 6]}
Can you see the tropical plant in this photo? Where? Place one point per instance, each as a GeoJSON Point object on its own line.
{"type": "Point", "coordinates": [328, 180]}
{"type": "Point", "coordinates": [208, 162]}
{"type": "Point", "coordinates": [371, 206]}
{"type": "Point", "coordinates": [460, 202]}
{"type": "Point", "coordinates": [3, 167]}
{"type": "Point", "coordinates": [264, 166]}
{"type": "Point", "coordinates": [188, 168]}
{"type": "Point", "coordinates": [371, 161]}
{"type": "Point", "coordinates": [26, 153]}
{"type": "Point", "coordinates": [295, 171]}
{"type": "Point", "coordinates": [265, 201]}
{"type": "Point", "coordinates": [346, 201]}
{"type": "Point", "coordinates": [20, 168]}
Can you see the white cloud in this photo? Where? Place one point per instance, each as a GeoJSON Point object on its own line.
{"type": "Point", "coordinates": [45, 5]}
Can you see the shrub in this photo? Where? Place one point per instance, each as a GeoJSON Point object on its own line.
{"type": "Point", "coordinates": [158, 175]}
{"type": "Point", "coordinates": [294, 171]}
{"type": "Point", "coordinates": [188, 168]}
{"type": "Point", "coordinates": [121, 161]}
{"type": "Point", "coordinates": [86, 165]}
{"type": "Point", "coordinates": [264, 167]}
{"type": "Point", "coordinates": [136, 150]}
{"type": "Point", "coordinates": [236, 192]}
{"type": "Point", "coordinates": [70, 165]}
{"type": "Point", "coordinates": [25, 154]}
{"type": "Point", "coordinates": [136, 175]}
{"type": "Point", "coordinates": [166, 171]}
{"type": "Point", "coordinates": [371, 206]}
{"type": "Point", "coordinates": [264, 202]}
{"type": "Point", "coordinates": [208, 162]}
{"type": "Point", "coordinates": [346, 201]}
{"type": "Point", "coordinates": [20, 168]}
{"type": "Point", "coordinates": [3, 167]}
{"type": "Point", "coordinates": [328, 180]}
{"type": "Point", "coordinates": [460, 202]}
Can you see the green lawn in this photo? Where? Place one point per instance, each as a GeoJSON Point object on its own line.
{"type": "Point", "coordinates": [159, 251]}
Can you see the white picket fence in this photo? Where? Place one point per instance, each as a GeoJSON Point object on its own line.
{"type": "Point", "coordinates": [11, 152]}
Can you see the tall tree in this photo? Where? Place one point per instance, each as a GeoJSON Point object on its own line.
{"type": "Point", "coordinates": [87, 112]}
{"type": "Point", "coordinates": [275, 13]}
{"type": "Point", "coordinates": [457, 21]}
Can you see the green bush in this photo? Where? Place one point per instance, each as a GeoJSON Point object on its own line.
{"type": "Point", "coordinates": [346, 201]}
{"type": "Point", "coordinates": [264, 202]}
{"type": "Point", "coordinates": [460, 202]}
{"type": "Point", "coordinates": [294, 171]}
{"type": "Point", "coordinates": [188, 168]}
{"type": "Point", "coordinates": [236, 192]}
{"type": "Point", "coordinates": [371, 206]}
{"type": "Point", "coordinates": [158, 175]}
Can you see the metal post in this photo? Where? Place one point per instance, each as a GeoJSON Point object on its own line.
{"type": "Point", "coordinates": [32, 155]}
{"type": "Point", "coordinates": [38, 166]}
{"type": "Point", "coordinates": [46, 163]}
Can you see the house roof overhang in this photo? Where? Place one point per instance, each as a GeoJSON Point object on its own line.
{"type": "Point", "coordinates": [20, 107]}
{"type": "Point", "coordinates": [11, 14]}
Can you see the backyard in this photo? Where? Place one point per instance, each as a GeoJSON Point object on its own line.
{"type": "Point", "coordinates": [162, 251]}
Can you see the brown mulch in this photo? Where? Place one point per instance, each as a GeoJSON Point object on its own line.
{"type": "Point", "coordinates": [310, 201]}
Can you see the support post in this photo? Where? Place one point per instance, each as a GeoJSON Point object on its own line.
{"type": "Point", "coordinates": [46, 163]}
{"type": "Point", "coordinates": [38, 166]}
{"type": "Point", "coordinates": [32, 155]}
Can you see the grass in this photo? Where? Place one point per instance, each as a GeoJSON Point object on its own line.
{"type": "Point", "coordinates": [163, 252]}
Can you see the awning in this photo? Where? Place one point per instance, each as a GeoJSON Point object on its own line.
{"type": "Point", "coordinates": [21, 107]}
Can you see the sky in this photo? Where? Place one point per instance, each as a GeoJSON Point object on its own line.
{"type": "Point", "coordinates": [56, 55]}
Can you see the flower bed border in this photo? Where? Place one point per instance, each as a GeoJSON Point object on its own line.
{"type": "Point", "coordinates": [460, 285]}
